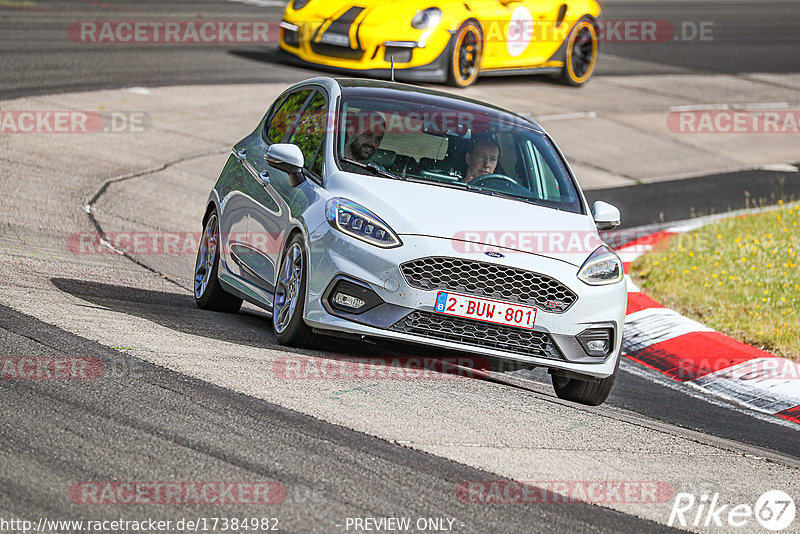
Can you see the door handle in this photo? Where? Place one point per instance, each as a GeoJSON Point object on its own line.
{"type": "Point", "coordinates": [241, 155]}
{"type": "Point", "coordinates": [263, 177]}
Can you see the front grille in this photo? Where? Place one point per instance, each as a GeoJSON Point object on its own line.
{"type": "Point", "coordinates": [489, 280]}
{"type": "Point", "coordinates": [399, 54]}
{"type": "Point", "coordinates": [478, 334]}
{"type": "Point", "coordinates": [341, 52]}
{"type": "Point", "coordinates": [291, 37]}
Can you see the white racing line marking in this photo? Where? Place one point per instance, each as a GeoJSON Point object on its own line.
{"type": "Point", "coordinates": [749, 105]}
{"type": "Point", "coordinates": [768, 385]}
{"type": "Point", "coordinates": [568, 116]}
{"type": "Point", "coordinates": [699, 393]}
{"type": "Point", "coordinates": [779, 167]}
{"type": "Point", "coordinates": [655, 325]}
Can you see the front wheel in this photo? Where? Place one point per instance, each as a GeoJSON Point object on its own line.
{"type": "Point", "coordinates": [290, 296]}
{"type": "Point", "coordinates": [592, 392]}
{"type": "Point", "coordinates": [581, 54]}
{"type": "Point", "coordinates": [465, 59]}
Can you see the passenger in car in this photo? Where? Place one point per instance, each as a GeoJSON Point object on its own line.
{"type": "Point", "coordinates": [482, 158]}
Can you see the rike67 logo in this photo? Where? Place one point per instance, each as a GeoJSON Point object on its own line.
{"type": "Point", "coordinates": [774, 510]}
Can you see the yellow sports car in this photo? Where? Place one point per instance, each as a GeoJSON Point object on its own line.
{"type": "Point", "coordinates": [453, 41]}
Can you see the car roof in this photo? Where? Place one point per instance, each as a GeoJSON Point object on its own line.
{"type": "Point", "coordinates": [355, 87]}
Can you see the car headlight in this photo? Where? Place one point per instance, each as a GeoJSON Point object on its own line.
{"type": "Point", "coordinates": [427, 18]}
{"type": "Point", "coordinates": [299, 4]}
{"type": "Point", "coordinates": [602, 267]}
{"type": "Point", "coordinates": [357, 221]}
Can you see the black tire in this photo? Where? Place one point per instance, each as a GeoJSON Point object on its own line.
{"type": "Point", "coordinates": [292, 331]}
{"type": "Point", "coordinates": [208, 293]}
{"type": "Point", "coordinates": [592, 392]}
{"type": "Point", "coordinates": [464, 62]}
{"type": "Point", "coordinates": [580, 57]}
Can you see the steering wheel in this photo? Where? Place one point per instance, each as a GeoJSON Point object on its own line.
{"type": "Point", "coordinates": [496, 176]}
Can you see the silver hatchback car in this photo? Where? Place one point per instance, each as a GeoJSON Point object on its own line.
{"type": "Point", "coordinates": [390, 211]}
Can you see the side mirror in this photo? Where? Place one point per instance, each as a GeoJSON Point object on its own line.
{"type": "Point", "coordinates": [282, 155]}
{"type": "Point", "coordinates": [605, 215]}
{"type": "Point", "coordinates": [288, 158]}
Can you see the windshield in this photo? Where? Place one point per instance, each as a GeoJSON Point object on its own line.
{"type": "Point", "coordinates": [486, 152]}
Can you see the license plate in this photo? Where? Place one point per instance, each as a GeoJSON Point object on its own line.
{"type": "Point", "coordinates": [336, 39]}
{"type": "Point", "coordinates": [488, 310]}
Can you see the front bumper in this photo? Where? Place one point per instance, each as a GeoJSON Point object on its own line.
{"type": "Point", "coordinates": [371, 54]}
{"type": "Point", "coordinates": [407, 314]}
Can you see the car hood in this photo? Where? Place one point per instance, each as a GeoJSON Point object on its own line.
{"type": "Point", "coordinates": [472, 222]}
{"type": "Point", "coordinates": [324, 10]}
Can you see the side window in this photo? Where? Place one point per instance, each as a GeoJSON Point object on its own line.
{"type": "Point", "coordinates": [545, 182]}
{"type": "Point", "coordinates": [286, 115]}
{"type": "Point", "coordinates": [309, 133]}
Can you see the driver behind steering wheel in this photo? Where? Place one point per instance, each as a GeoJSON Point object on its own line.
{"type": "Point", "coordinates": [482, 158]}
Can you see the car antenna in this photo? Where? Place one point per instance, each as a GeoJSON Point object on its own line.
{"type": "Point", "coordinates": [392, 68]}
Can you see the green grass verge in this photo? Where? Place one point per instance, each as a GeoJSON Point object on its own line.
{"type": "Point", "coordinates": [738, 276]}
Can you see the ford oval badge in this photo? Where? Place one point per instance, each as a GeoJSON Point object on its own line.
{"type": "Point", "coordinates": [495, 255]}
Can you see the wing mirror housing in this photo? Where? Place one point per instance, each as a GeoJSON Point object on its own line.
{"type": "Point", "coordinates": [288, 158]}
{"type": "Point", "coordinates": [606, 216]}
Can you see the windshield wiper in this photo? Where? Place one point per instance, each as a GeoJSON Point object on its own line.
{"type": "Point", "coordinates": [374, 169]}
{"type": "Point", "coordinates": [492, 192]}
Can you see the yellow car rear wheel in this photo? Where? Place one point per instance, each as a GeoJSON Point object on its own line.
{"type": "Point", "coordinates": [465, 58]}
{"type": "Point", "coordinates": [581, 54]}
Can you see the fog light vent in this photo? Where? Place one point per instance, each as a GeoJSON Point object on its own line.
{"type": "Point", "coordinates": [597, 341]}
{"type": "Point", "coordinates": [348, 301]}
{"type": "Point", "coordinates": [351, 297]}
{"type": "Point", "coordinates": [596, 345]}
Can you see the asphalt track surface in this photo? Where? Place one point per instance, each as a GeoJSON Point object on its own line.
{"type": "Point", "coordinates": [73, 432]}
{"type": "Point", "coordinates": [37, 58]}
{"type": "Point", "coordinates": [133, 424]}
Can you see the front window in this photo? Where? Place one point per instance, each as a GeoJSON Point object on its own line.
{"type": "Point", "coordinates": [483, 151]}
{"type": "Point", "coordinates": [309, 133]}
